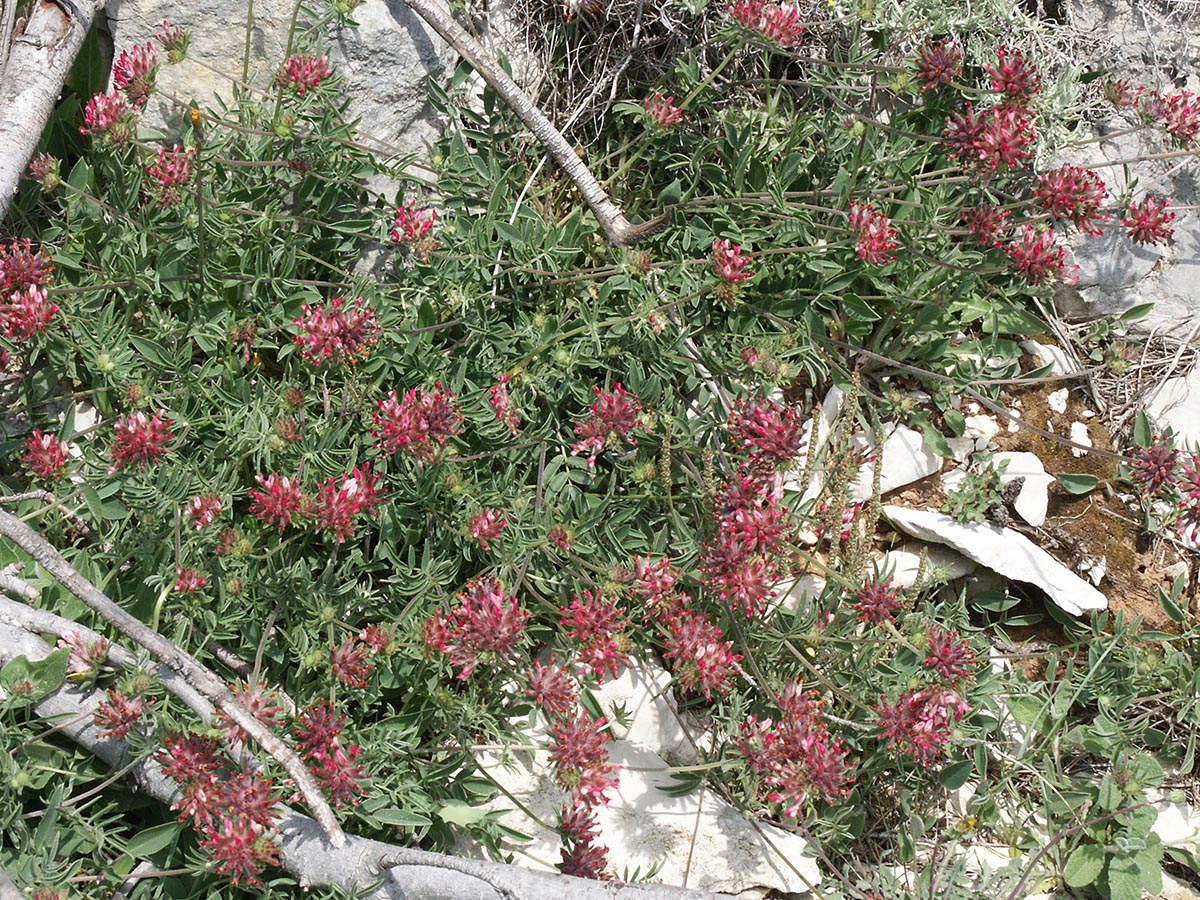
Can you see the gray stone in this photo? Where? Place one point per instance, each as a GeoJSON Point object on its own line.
{"type": "Point", "coordinates": [1004, 551]}
{"type": "Point", "coordinates": [384, 63]}
{"type": "Point", "coordinates": [906, 458]}
{"type": "Point", "coordinates": [1176, 402]}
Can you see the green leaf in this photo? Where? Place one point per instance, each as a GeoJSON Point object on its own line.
{"type": "Point", "coordinates": [1170, 607]}
{"type": "Point", "coordinates": [461, 814]}
{"type": "Point", "coordinates": [1143, 431]}
{"type": "Point", "coordinates": [511, 233]}
{"type": "Point", "coordinates": [151, 840]}
{"type": "Point", "coordinates": [1084, 865]}
{"type": "Point", "coordinates": [955, 421]}
{"type": "Point", "coordinates": [403, 818]}
{"type": "Point", "coordinates": [955, 776]}
{"type": "Point", "coordinates": [27, 681]}
{"type": "Point", "coordinates": [1124, 879]}
{"type": "Point", "coordinates": [671, 194]}
{"type": "Point", "coordinates": [1134, 313]}
{"type": "Point", "coordinates": [1077, 483]}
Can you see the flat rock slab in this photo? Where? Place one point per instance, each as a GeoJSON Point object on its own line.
{"type": "Point", "coordinates": [1004, 551]}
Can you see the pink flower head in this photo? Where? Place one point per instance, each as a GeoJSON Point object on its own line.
{"type": "Point", "coordinates": [304, 73]}
{"type": "Point", "coordinates": [875, 236]}
{"type": "Point", "coordinates": [997, 138]}
{"type": "Point", "coordinates": [1178, 114]}
{"type": "Point", "coordinates": [503, 406]}
{"type": "Point", "coordinates": [796, 756]}
{"type": "Point", "coordinates": [259, 702]}
{"type": "Point", "coordinates": [918, 723]}
{"type": "Point", "coordinates": [655, 581]}
{"type": "Point", "coordinates": [171, 171]}
{"type": "Point", "coordinates": [729, 262]}
{"type": "Point", "coordinates": [580, 756]}
{"type": "Point", "coordinates": [662, 110]}
{"type": "Point", "coordinates": [987, 224]}
{"type": "Point", "coordinates": [338, 504]}
{"type": "Point", "coordinates": [118, 714]}
{"type": "Point", "coordinates": [107, 116]}
{"type": "Point", "coordinates": [1146, 222]}
{"type": "Point", "coordinates": [552, 688]}
{"type": "Point", "coordinates": [26, 313]}
{"type": "Point", "coordinates": [134, 72]}
{"type": "Point", "coordinates": [598, 625]}
{"type": "Point", "coordinates": [189, 581]}
{"type": "Point", "coordinates": [85, 656]}
{"type": "Point", "coordinates": [877, 601]}
{"type": "Point", "coordinates": [420, 424]}
{"type": "Point", "coordinates": [485, 627]}
{"type": "Point", "coordinates": [21, 267]}
{"type": "Point", "coordinates": [376, 638]}
{"type": "Point", "coordinates": [349, 663]}
{"type": "Point", "coordinates": [45, 456]}
{"type": "Point", "coordinates": [1038, 256]}
{"type": "Point", "coordinates": [337, 331]}
{"type": "Point", "coordinates": [175, 41]}
{"type": "Point", "coordinates": [779, 23]}
{"type": "Point", "coordinates": [703, 659]}
{"type": "Point", "coordinates": [279, 501]}
{"type": "Point", "coordinates": [769, 432]}
{"type": "Point", "coordinates": [950, 655]}
{"type": "Point", "coordinates": [413, 228]}
{"type": "Point", "coordinates": [140, 440]}
{"type": "Point", "coordinates": [1075, 193]}
{"type": "Point", "coordinates": [611, 419]}
{"type": "Point", "coordinates": [1155, 467]}
{"type": "Point", "coordinates": [1013, 77]}
{"type": "Point", "coordinates": [486, 525]}
{"type": "Point", "coordinates": [204, 509]}
{"type": "Point", "coordinates": [938, 63]}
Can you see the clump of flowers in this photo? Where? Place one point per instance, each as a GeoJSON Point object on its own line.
{"type": "Point", "coordinates": [950, 656]}
{"type": "Point", "coordinates": [340, 502]}
{"type": "Point", "coordinates": [582, 766]}
{"type": "Point", "coordinates": [420, 424]}
{"type": "Point", "coordinates": [108, 116]}
{"type": "Point", "coordinates": [552, 688]}
{"type": "Point", "coordinates": [662, 111]}
{"type": "Point", "coordinates": [795, 756]}
{"type": "Point", "coordinates": [739, 561]}
{"type": "Point", "coordinates": [171, 171]}
{"type": "Point", "coordinates": [612, 416]}
{"type": "Point", "coordinates": [350, 664]}
{"type": "Point", "coordinates": [189, 581]}
{"type": "Point", "coordinates": [1154, 467]}
{"type": "Point", "coordinates": [997, 138]}
{"type": "Point", "coordinates": [877, 601]}
{"type": "Point", "coordinates": [45, 456]}
{"type": "Point", "coordinates": [1014, 77]}
{"type": "Point", "coordinates": [26, 312]}
{"type": "Point", "coordinates": [1075, 193]}
{"type": "Point", "coordinates": [987, 223]}
{"type": "Point", "coordinates": [1147, 221]}
{"type": "Point", "coordinates": [918, 723]}
{"type": "Point", "coordinates": [779, 23]}
{"type": "Point", "coordinates": [730, 263]}
{"type": "Point", "coordinates": [1177, 114]}
{"type": "Point", "coordinates": [21, 266]}
{"type": "Point", "coordinates": [203, 509]}
{"type": "Point", "coordinates": [304, 73]}
{"type": "Point", "coordinates": [769, 432]}
{"type": "Point", "coordinates": [337, 331]}
{"type": "Point", "coordinates": [1038, 256]}
{"type": "Point", "coordinates": [503, 406]}
{"type": "Point", "coordinates": [703, 660]}
{"type": "Point", "coordinates": [116, 715]}
{"type": "Point", "coordinates": [175, 41]}
{"type": "Point", "coordinates": [486, 525]}
{"type": "Point", "coordinates": [85, 654]}
{"type": "Point", "coordinates": [140, 440]}
{"type": "Point", "coordinates": [259, 702]}
{"type": "Point", "coordinates": [413, 227]}
{"type": "Point", "coordinates": [938, 63]}
{"type": "Point", "coordinates": [598, 625]}
{"type": "Point", "coordinates": [134, 72]}
{"type": "Point", "coordinates": [279, 501]}
{"type": "Point", "coordinates": [485, 628]}
{"type": "Point", "coordinates": [875, 236]}
{"type": "Point", "coordinates": [318, 732]}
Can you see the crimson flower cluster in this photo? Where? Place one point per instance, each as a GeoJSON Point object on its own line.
{"type": "Point", "coordinates": [1146, 221]}
{"type": "Point", "coordinates": [413, 227]}
{"type": "Point", "coordinates": [1075, 193]}
{"type": "Point", "coordinates": [140, 440]}
{"type": "Point", "coordinates": [582, 767]}
{"type": "Point", "coordinates": [767, 432]}
{"type": "Point", "coordinates": [730, 263]}
{"type": "Point", "coordinates": [85, 655]}
{"type": "Point", "coordinates": [795, 754]}
{"type": "Point", "coordinates": [987, 223]}
{"type": "Point", "coordinates": [203, 510]}
{"type": "Point", "coordinates": [996, 138]}
{"type": "Point", "coordinates": [45, 456]}
{"type": "Point", "coordinates": [233, 810]}
{"type": "Point", "coordinates": [116, 715]}
{"type": "Point", "coordinates": [877, 601]}
{"type": "Point", "coordinates": [938, 63]}
{"type": "Point", "coordinates": [171, 171]}
{"type": "Point", "coordinates": [779, 23]}
{"type": "Point", "coordinates": [918, 723]}
{"type": "Point", "coordinates": [318, 732]}
{"type": "Point", "coordinates": [1178, 114]}
{"type": "Point", "coordinates": [304, 73]}
{"type": "Point", "coordinates": [611, 418]}
{"type": "Point", "coordinates": [337, 331]}
{"type": "Point", "coordinates": [485, 628]}
{"type": "Point", "coordinates": [598, 624]}
{"type": "Point", "coordinates": [134, 72]}
{"type": "Point", "coordinates": [25, 277]}
{"type": "Point", "coordinates": [663, 111]}
{"type": "Point", "coordinates": [1038, 256]}
{"type": "Point", "coordinates": [875, 236]}
{"type": "Point", "coordinates": [109, 117]}
{"type": "Point", "coordinates": [336, 508]}
{"type": "Point", "coordinates": [420, 424]}
{"type": "Point", "coordinates": [486, 525]}
{"type": "Point", "coordinates": [1013, 77]}
{"type": "Point", "coordinates": [503, 406]}
{"type": "Point", "coordinates": [189, 581]}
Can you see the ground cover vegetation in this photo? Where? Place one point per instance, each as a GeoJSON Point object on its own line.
{"type": "Point", "coordinates": [406, 467]}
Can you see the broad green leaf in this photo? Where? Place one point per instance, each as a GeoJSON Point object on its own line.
{"type": "Point", "coordinates": [461, 814]}
{"type": "Point", "coordinates": [404, 818]}
{"type": "Point", "coordinates": [151, 840]}
{"type": "Point", "coordinates": [1077, 483]}
{"type": "Point", "coordinates": [1084, 865]}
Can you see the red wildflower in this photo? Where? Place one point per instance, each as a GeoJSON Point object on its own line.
{"type": "Point", "coordinates": [259, 702]}
{"type": "Point", "coordinates": [204, 509]}
{"type": "Point", "coordinates": [611, 418]}
{"type": "Point", "coordinates": [580, 757]}
{"type": "Point", "coordinates": [938, 63]}
{"type": "Point", "coordinates": [140, 440]}
{"type": "Point", "coordinates": [730, 263]}
{"type": "Point", "coordinates": [877, 601]}
{"type": "Point", "coordinates": [27, 312]}
{"type": "Point", "coordinates": [337, 505]}
{"type": "Point", "coordinates": [1177, 114]}
{"type": "Point", "coordinates": [598, 625]}
{"type": "Point", "coordinates": [503, 405]}
{"type": "Point", "coordinates": [413, 228]}
{"type": "Point", "coordinates": [85, 654]}
{"type": "Point", "coordinates": [375, 637]}
{"type": "Point", "coordinates": [769, 432]}
{"type": "Point", "coordinates": [485, 627]}
{"type": "Point", "coordinates": [1013, 77]}
{"type": "Point", "coordinates": [1146, 222]}
{"type": "Point", "coordinates": [420, 424]}
{"type": "Point", "coordinates": [950, 655]}
{"type": "Point", "coordinates": [175, 41]}
{"type": "Point", "coordinates": [987, 224]}
{"type": "Point", "coordinates": [332, 334]}
{"type": "Point", "coordinates": [1075, 193]}
{"type": "Point", "coordinates": [118, 714]}
{"type": "Point", "coordinates": [279, 501]}
{"type": "Point", "coordinates": [45, 456]}
{"type": "Point", "coordinates": [778, 23]}
{"type": "Point", "coordinates": [552, 688]}
{"type": "Point", "coordinates": [663, 111]}
{"type": "Point", "coordinates": [997, 138]}
{"type": "Point", "coordinates": [703, 659]}
{"type": "Point", "coordinates": [918, 723]}
{"type": "Point", "coordinates": [107, 116]}
{"type": "Point", "coordinates": [486, 525]}
{"type": "Point", "coordinates": [134, 72]}
{"type": "Point", "coordinates": [349, 663]}
{"type": "Point", "coordinates": [188, 581]}
{"type": "Point", "coordinates": [171, 171]}
{"type": "Point", "coordinates": [876, 237]}
{"type": "Point", "coordinates": [1156, 466]}
{"type": "Point", "coordinates": [1038, 256]}
{"type": "Point", "coordinates": [21, 266]}
{"type": "Point", "coordinates": [304, 73]}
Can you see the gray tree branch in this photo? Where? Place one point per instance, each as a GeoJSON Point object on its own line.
{"type": "Point", "coordinates": [35, 58]}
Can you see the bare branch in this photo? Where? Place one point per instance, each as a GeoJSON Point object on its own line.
{"type": "Point", "coordinates": [200, 677]}
{"type": "Point", "coordinates": [619, 231]}
{"type": "Point", "coordinates": [39, 58]}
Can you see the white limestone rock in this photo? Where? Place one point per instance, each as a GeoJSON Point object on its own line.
{"type": "Point", "coordinates": [1057, 401]}
{"type": "Point", "coordinates": [1176, 402]}
{"type": "Point", "coordinates": [641, 707]}
{"type": "Point", "coordinates": [1046, 355]}
{"type": "Point", "coordinates": [905, 458]}
{"type": "Point", "coordinates": [1034, 498]}
{"type": "Point", "coordinates": [1004, 551]}
{"type": "Point", "coordinates": [1079, 434]}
